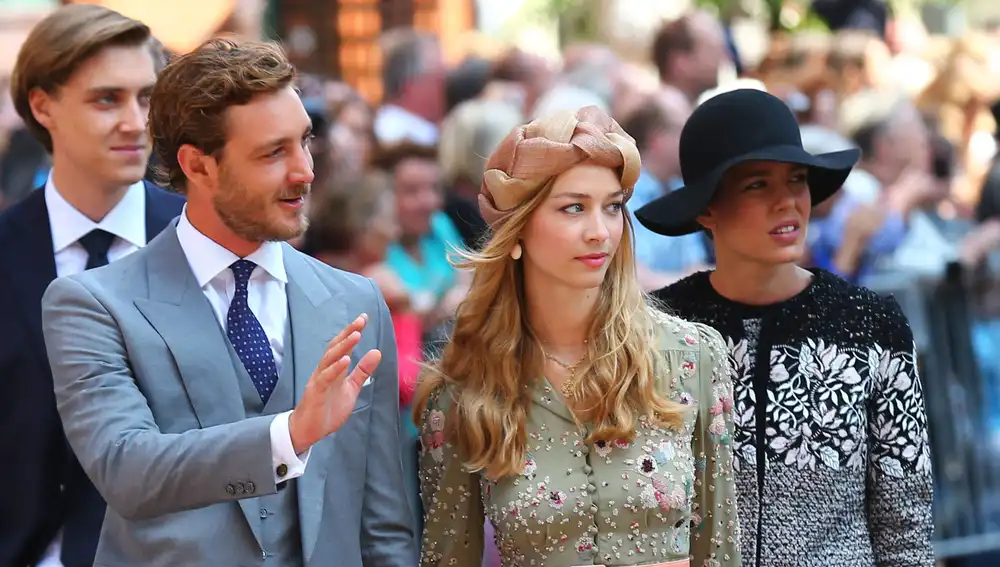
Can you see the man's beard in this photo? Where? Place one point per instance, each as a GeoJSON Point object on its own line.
{"type": "Point", "coordinates": [247, 215]}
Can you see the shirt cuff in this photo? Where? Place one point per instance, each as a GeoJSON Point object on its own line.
{"type": "Point", "coordinates": [287, 465]}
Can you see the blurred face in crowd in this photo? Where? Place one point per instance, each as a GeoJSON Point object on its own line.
{"type": "Point", "coordinates": [701, 66]}
{"type": "Point", "coordinates": [760, 213]}
{"type": "Point", "coordinates": [427, 92]}
{"type": "Point", "coordinates": [97, 119]}
{"type": "Point", "coordinates": [905, 144]}
{"type": "Point", "coordinates": [351, 133]}
{"type": "Point", "coordinates": [418, 195]}
{"type": "Point", "coordinates": [380, 231]}
{"type": "Point", "coordinates": [265, 169]}
{"type": "Point", "coordinates": [573, 235]}
{"type": "Point", "coordinates": [664, 148]}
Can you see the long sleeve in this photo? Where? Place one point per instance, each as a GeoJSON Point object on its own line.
{"type": "Point", "coordinates": [899, 483]}
{"type": "Point", "coordinates": [282, 451]}
{"type": "Point", "coordinates": [453, 508]}
{"type": "Point", "coordinates": [140, 471]}
{"type": "Point", "coordinates": [715, 536]}
{"type": "Point", "coordinates": [387, 531]}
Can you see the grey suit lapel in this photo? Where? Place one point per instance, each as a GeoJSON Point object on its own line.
{"type": "Point", "coordinates": [180, 313]}
{"type": "Point", "coordinates": [315, 316]}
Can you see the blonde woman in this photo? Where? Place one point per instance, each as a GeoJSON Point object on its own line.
{"type": "Point", "coordinates": [587, 427]}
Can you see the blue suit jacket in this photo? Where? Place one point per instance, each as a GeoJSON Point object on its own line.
{"type": "Point", "coordinates": [44, 486]}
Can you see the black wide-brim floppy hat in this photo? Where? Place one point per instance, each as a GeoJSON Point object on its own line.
{"type": "Point", "coordinates": [727, 130]}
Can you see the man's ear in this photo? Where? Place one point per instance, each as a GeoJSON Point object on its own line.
{"type": "Point", "coordinates": [200, 169]}
{"type": "Point", "coordinates": [41, 107]}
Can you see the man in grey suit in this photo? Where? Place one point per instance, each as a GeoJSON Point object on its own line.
{"type": "Point", "coordinates": [199, 380]}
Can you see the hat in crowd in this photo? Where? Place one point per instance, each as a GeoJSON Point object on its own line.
{"type": "Point", "coordinates": [727, 130]}
{"type": "Point", "coordinates": [532, 155]}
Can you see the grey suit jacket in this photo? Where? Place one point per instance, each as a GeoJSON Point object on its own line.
{"type": "Point", "coordinates": [151, 405]}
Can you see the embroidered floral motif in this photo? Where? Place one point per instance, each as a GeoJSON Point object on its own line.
{"type": "Point", "coordinates": [688, 368]}
{"type": "Point", "coordinates": [433, 442]}
{"type": "Point", "coordinates": [585, 546]}
{"type": "Point", "coordinates": [696, 521]}
{"type": "Point", "coordinates": [557, 498]}
{"type": "Point", "coordinates": [633, 496]}
{"type": "Point", "coordinates": [843, 409]}
{"type": "Point", "coordinates": [718, 426]}
{"type": "Point", "coordinates": [529, 467]}
{"type": "Point", "coordinates": [664, 452]}
{"type": "Point", "coordinates": [602, 447]}
{"type": "Point", "coordinates": [673, 500]}
{"type": "Point", "coordinates": [646, 466]}
{"type": "Point", "coordinates": [436, 420]}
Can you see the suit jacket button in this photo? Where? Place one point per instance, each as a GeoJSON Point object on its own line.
{"type": "Point", "coordinates": [240, 488]}
{"type": "Point", "coordinates": [251, 488]}
{"type": "Point", "coordinates": [282, 470]}
{"type": "Point", "coordinates": [230, 489]}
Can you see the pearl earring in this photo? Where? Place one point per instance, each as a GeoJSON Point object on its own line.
{"type": "Point", "coordinates": [515, 252]}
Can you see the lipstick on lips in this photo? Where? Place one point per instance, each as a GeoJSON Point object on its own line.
{"type": "Point", "coordinates": [593, 260]}
{"type": "Point", "coordinates": [786, 232]}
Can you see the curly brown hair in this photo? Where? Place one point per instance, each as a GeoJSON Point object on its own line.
{"type": "Point", "coordinates": [59, 44]}
{"type": "Point", "coordinates": [189, 103]}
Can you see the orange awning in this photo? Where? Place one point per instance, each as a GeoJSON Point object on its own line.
{"type": "Point", "coordinates": [181, 25]}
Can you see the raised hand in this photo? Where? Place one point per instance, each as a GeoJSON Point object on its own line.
{"type": "Point", "coordinates": [331, 393]}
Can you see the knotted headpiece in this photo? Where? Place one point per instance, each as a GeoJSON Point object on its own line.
{"type": "Point", "coordinates": [533, 154]}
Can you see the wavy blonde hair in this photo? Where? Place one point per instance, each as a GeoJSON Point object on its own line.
{"type": "Point", "coordinates": [492, 354]}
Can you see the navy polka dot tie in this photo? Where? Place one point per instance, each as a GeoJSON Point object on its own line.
{"type": "Point", "coordinates": [248, 336]}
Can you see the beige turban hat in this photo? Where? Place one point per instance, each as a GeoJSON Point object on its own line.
{"type": "Point", "coordinates": [532, 155]}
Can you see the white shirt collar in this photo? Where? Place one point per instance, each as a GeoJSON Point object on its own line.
{"type": "Point", "coordinates": [208, 258]}
{"type": "Point", "coordinates": [127, 220]}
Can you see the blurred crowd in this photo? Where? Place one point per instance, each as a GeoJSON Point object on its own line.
{"type": "Point", "coordinates": [397, 182]}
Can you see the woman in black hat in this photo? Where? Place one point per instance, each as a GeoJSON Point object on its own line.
{"type": "Point", "coordinates": [833, 463]}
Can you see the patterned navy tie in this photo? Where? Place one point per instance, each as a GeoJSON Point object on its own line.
{"type": "Point", "coordinates": [248, 336]}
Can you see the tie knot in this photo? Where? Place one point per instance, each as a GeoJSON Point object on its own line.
{"type": "Point", "coordinates": [242, 270]}
{"type": "Point", "coordinates": [97, 242]}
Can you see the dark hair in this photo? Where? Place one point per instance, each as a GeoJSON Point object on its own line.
{"type": "Point", "coordinates": [646, 121]}
{"type": "Point", "coordinates": [59, 44]}
{"type": "Point", "coordinates": [943, 157]}
{"type": "Point", "coordinates": [673, 37]}
{"type": "Point", "coordinates": [467, 81]}
{"type": "Point", "coordinates": [405, 58]}
{"type": "Point", "coordinates": [189, 103]}
{"type": "Point", "coordinates": [343, 211]}
{"type": "Point", "coordinates": [387, 158]}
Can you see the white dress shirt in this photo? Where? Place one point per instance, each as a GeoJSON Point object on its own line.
{"type": "Point", "coordinates": [268, 301]}
{"type": "Point", "coordinates": [394, 124]}
{"type": "Point", "coordinates": [127, 221]}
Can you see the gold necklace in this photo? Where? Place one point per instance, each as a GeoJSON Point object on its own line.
{"type": "Point", "coordinates": [570, 369]}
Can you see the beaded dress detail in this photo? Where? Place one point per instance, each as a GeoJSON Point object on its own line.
{"type": "Point", "coordinates": [664, 496]}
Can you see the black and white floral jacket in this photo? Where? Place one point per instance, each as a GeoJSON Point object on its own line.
{"type": "Point", "coordinates": [834, 468]}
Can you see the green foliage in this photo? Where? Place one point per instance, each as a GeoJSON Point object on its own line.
{"type": "Point", "coordinates": [577, 20]}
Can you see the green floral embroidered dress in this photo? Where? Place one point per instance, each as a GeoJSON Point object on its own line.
{"type": "Point", "coordinates": [668, 495]}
